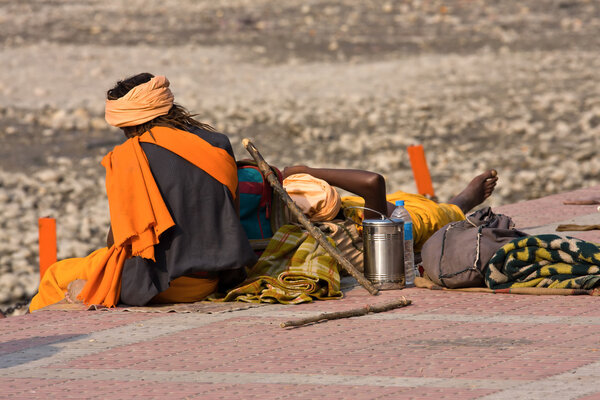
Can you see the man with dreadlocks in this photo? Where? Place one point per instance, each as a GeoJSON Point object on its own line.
{"type": "Point", "coordinates": [172, 189]}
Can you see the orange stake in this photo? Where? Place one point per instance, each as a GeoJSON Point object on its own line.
{"type": "Point", "coordinates": [416, 154]}
{"type": "Point", "coordinates": [47, 238]}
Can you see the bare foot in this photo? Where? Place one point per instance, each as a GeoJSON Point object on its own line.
{"type": "Point", "coordinates": [73, 290]}
{"type": "Point", "coordinates": [479, 189]}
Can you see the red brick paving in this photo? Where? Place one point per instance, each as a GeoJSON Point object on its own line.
{"type": "Point", "coordinates": [551, 209]}
{"type": "Point", "coordinates": [446, 345]}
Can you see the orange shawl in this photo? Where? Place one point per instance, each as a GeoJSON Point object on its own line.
{"type": "Point", "coordinates": [138, 213]}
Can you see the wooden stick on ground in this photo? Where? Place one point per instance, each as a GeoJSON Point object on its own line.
{"type": "Point", "coordinates": [355, 312]}
{"type": "Point", "coordinates": [312, 230]}
{"type": "Point", "coordinates": [588, 202]}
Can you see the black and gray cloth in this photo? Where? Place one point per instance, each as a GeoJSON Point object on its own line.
{"type": "Point", "coordinates": [207, 238]}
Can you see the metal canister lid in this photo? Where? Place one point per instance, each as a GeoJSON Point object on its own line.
{"type": "Point", "coordinates": [384, 226]}
{"type": "Point", "coordinates": [380, 222]}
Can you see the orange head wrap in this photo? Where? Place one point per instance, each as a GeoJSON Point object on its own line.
{"type": "Point", "coordinates": [315, 197]}
{"type": "Point", "coordinates": [141, 104]}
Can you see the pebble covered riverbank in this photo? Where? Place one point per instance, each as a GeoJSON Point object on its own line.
{"type": "Point", "coordinates": [345, 84]}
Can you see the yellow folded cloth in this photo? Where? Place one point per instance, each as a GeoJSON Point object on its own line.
{"type": "Point", "coordinates": [427, 215]}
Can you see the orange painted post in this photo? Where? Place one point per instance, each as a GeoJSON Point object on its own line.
{"type": "Point", "coordinates": [47, 239]}
{"type": "Point", "coordinates": [416, 154]}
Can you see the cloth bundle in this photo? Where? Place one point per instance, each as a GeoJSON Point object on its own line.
{"type": "Point", "coordinates": [456, 255]}
{"type": "Point", "coordinates": [548, 261]}
{"type": "Point", "coordinates": [293, 269]}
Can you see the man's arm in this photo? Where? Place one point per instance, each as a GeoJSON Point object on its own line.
{"type": "Point", "coordinates": [366, 184]}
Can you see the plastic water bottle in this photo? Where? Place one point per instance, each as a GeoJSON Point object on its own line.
{"type": "Point", "coordinates": [401, 212]}
{"type": "Point", "coordinates": [409, 255]}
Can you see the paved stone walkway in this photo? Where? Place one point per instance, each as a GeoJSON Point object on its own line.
{"type": "Point", "coordinates": [446, 345]}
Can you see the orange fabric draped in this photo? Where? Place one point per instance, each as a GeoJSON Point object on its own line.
{"type": "Point", "coordinates": [138, 214]}
{"type": "Point", "coordinates": [104, 277]}
{"type": "Point", "coordinates": [56, 279]}
{"type": "Point", "coordinates": [137, 211]}
{"type": "Point", "coordinates": [186, 290]}
{"type": "Point", "coordinates": [215, 161]}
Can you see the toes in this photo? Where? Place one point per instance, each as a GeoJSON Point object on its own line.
{"type": "Point", "coordinates": [490, 175]}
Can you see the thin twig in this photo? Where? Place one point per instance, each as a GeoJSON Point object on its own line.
{"type": "Point", "coordinates": [355, 312]}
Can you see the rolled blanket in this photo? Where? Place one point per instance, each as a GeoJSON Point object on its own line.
{"type": "Point", "coordinates": [549, 261]}
{"type": "Point", "coordinates": [293, 269]}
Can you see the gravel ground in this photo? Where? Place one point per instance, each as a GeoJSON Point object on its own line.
{"type": "Point", "coordinates": [510, 85]}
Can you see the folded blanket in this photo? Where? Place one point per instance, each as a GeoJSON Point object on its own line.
{"type": "Point", "coordinates": [426, 283]}
{"type": "Point", "coordinates": [549, 261]}
{"type": "Point", "coordinates": [293, 269]}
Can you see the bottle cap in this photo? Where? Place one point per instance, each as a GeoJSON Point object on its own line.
{"type": "Point", "coordinates": [399, 203]}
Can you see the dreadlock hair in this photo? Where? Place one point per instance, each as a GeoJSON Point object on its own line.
{"type": "Point", "coordinates": [177, 117]}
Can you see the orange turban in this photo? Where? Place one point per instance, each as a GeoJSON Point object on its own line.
{"type": "Point", "coordinates": [315, 197]}
{"type": "Point", "coordinates": [141, 104]}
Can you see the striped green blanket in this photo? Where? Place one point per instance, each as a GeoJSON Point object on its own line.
{"type": "Point", "coordinates": [293, 269]}
{"type": "Point", "coordinates": [548, 261]}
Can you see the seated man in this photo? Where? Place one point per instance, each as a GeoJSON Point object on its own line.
{"type": "Point", "coordinates": [427, 215]}
{"type": "Point", "coordinates": [172, 188]}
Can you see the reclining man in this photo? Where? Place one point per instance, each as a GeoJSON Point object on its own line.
{"type": "Point", "coordinates": [295, 269]}
{"type": "Point", "coordinates": [427, 215]}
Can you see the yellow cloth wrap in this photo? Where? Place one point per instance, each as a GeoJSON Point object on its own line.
{"type": "Point", "coordinates": [427, 215]}
{"type": "Point", "coordinates": [57, 277]}
{"type": "Point", "coordinates": [186, 290]}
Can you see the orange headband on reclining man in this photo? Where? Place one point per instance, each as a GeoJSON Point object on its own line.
{"type": "Point", "coordinates": [315, 197]}
{"type": "Point", "coordinates": [141, 104]}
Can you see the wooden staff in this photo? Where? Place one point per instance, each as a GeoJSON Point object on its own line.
{"type": "Point", "coordinates": [312, 230]}
{"type": "Point", "coordinates": [355, 312]}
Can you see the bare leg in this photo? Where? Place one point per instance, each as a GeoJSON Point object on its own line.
{"type": "Point", "coordinates": [479, 189]}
